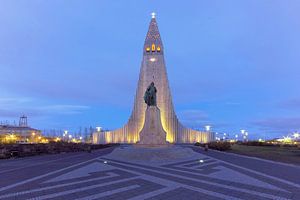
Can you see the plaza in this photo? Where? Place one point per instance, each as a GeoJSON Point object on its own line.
{"type": "Point", "coordinates": [102, 175]}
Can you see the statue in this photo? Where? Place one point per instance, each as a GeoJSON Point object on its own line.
{"type": "Point", "coordinates": [150, 95]}
{"type": "Point", "coordinates": [152, 133]}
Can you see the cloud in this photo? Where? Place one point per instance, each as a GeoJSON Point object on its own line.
{"type": "Point", "coordinates": [63, 109]}
{"type": "Point", "coordinates": [278, 125]}
{"type": "Point", "coordinates": [290, 104]}
{"type": "Point", "coordinates": [15, 106]}
{"type": "Point", "coordinates": [13, 100]}
{"type": "Point", "coordinates": [193, 117]}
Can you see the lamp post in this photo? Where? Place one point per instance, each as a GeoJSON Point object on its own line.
{"type": "Point", "coordinates": [98, 128]}
{"type": "Point", "coordinates": [65, 134]}
{"type": "Point", "coordinates": [244, 134]}
{"type": "Point", "coordinates": [207, 128]}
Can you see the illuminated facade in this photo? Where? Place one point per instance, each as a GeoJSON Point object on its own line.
{"type": "Point", "coordinates": [153, 70]}
{"type": "Point", "coordinates": [14, 133]}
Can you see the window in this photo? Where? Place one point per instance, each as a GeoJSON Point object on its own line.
{"type": "Point", "coordinates": [158, 49]}
{"type": "Point", "coordinates": [148, 49]}
{"type": "Point", "coordinates": [153, 47]}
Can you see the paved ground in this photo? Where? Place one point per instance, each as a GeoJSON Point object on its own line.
{"type": "Point", "coordinates": [209, 175]}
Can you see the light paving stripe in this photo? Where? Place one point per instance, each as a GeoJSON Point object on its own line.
{"type": "Point", "coordinates": [184, 162]}
{"type": "Point", "coordinates": [205, 182]}
{"type": "Point", "coordinates": [256, 158]}
{"type": "Point", "coordinates": [154, 193]}
{"type": "Point", "coordinates": [253, 171]}
{"type": "Point", "coordinates": [44, 175]}
{"type": "Point", "coordinates": [199, 166]}
{"type": "Point", "coordinates": [107, 193]}
{"type": "Point", "coordinates": [198, 163]}
{"type": "Point", "coordinates": [110, 175]}
{"type": "Point", "coordinates": [185, 170]}
{"type": "Point", "coordinates": [265, 175]}
{"type": "Point", "coordinates": [41, 163]}
{"type": "Point", "coordinates": [172, 184]}
{"type": "Point", "coordinates": [79, 189]}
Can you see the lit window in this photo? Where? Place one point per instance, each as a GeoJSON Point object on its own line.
{"type": "Point", "coordinates": [148, 49]}
{"type": "Point", "coordinates": [158, 49]}
{"type": "Point", "coordinates": [153, 47]}
{"type": "Point", "coordinates": [152, 59]}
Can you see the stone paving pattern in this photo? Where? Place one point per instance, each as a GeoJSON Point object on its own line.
{"type": "Point", "coordinates": [97, 175]}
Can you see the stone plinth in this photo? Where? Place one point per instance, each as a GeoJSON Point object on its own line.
{"type": "Point", "coordinates": [152, 132]}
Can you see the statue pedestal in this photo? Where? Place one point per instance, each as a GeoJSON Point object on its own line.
{"type": "Point", "coordinates": [152, 133]}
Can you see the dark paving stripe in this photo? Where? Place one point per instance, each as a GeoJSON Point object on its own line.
{"type": "Point", "coordinates": [245, 186]}
{"type": "Point", "coordinates": [185, 162]}
{"type": "Point", "coordinates": [41, 168]}
{"type": "Point", "coordinates": [215, 180]}
{"type": "Point", "coordinates": [205, 186]}
{"type": "Point", "coordinates": [197, 163]}
{"type": "Point", "coordinates": [144, 187]}
{"type": "Point", "coordinates": [122, 175]}
{"type": "Point", "coordinates": [183, 193]}
{"type": "Point", "coordinates": [205, 170]}
{"type": "Point", "coordinates": [285, 172]}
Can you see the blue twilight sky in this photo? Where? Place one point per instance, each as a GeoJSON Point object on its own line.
{"type": "Point", "coordinates": [232, 64]}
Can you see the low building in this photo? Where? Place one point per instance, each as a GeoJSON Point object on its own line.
{"type": "Point", "coordinates": [21, 133]}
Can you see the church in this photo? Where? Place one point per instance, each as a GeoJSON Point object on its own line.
{"type": "Point", "coordinates": [153, 69]}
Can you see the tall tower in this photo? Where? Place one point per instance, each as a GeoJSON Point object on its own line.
{"type": "Point", "coordinates": [23, 121]}
{"type": "Point", "coordinates": [153, 69]}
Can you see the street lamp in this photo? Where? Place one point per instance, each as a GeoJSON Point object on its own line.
{"type": "Point", "coordinates": [98, 128]}
{"type": "Point", "coordinates": [244, 134]}
{"type": "Point", "coordinates": [207, 128]}
{"type": "Point", "coordinates": [65, 133]}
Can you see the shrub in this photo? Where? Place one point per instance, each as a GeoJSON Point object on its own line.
{"type": "Point", "coordinates": [22, 150]}
{"type": "Point", "coordinates": [257, 143]}
{"type": "Point", "coordinates": [197, 144]}
{"type": "Point", "coordinates": [220, 146]}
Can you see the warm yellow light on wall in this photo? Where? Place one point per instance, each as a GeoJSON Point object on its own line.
{"type": "Point", "coordinates": [153, 47]}
{"type": "Point", "coordinates": [148, 49]}
{"type": "Point", "coordinates": [158, 49]}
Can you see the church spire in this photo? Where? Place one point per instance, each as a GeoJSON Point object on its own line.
{"type": "Point", "coordinates": [153, 43]}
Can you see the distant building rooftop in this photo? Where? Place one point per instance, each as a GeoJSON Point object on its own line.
{"type": "Point", "coordinates": [23, 129]}
{"type": "Point", "coordinates": [16, 128]}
